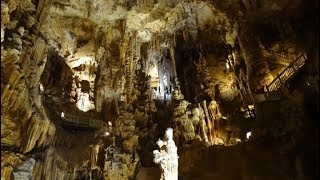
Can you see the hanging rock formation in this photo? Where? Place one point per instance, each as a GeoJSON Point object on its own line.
{"type": "Point", "coordinates": [88, 87]}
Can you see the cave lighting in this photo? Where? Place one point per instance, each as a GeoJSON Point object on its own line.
{"type": "Point", "coordinates": [110, 124]}
{"type": "Point", "coordinates": [62, 115]}
{"type": "Point", "coordinates": [121, 97]}
{"type": "Point", "coordinates": [107, 133]}
{"type": "Point", "coordinates": [81, 60]}
{"type": "Point", "coordinates": [85, 59]}
{"type": "Point", "coordinates": [224, 117]}
{"type": "Point", "coordinates": [41, 87]}
{"type": "Point", "coordinates": [227, 65]}
{"type": "Point", "coordinates": [153, 73]}
{"type": "Point", "coordinates": [217, 141]}
{"type": "Point", "coordinates": [251, 107]}
{"type": "Point", "coordinates": [247, 115]}
{"type": "Point", "coordinates": [84, 102]}
{"type": "Point", "coordinates": [248, 135]}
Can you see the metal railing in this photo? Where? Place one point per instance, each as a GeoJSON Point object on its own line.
{"type": "Point", "coordinates": [84, 121]}
{"type": "Point", "coordinates": [273, 92]}
{"type": "Point", "coordinates": [286, 73]}
{"type": "Point", "coordinates": [268, 96]}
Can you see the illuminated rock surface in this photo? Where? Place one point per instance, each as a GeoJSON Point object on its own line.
{"type": "Point", "coordinates": [167, 157]}
{"type": "Point", "coordinates": [124, 71]}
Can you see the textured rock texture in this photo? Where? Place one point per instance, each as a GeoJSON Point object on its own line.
{"type": "Point", "coordinates": [121, 72]}
{"type": "Point", "coordinates": [24, 170]}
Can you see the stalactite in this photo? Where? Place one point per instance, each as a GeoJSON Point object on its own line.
{"type": "Point", "coordinates": [174, 39]}
{"type": "Point", "coordinates": [42, 12]}
{"type": "Point", "coordinates": [185, 34]}
{"type": "Point", "coordinates": [40, 133]}
{"type": "Point", "coordinates": [173, 62]}
{"type": "Point", "coordinates": [10, 160]}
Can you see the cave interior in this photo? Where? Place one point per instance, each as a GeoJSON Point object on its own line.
{"type": "Point", "coordinates": [88, 87]}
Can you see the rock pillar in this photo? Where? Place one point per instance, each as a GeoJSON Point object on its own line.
{"type": "Point", "coordinates": [167, 157]}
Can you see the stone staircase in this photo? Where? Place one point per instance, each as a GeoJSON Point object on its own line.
{"type": "Point", "coordinates": [273, 91]}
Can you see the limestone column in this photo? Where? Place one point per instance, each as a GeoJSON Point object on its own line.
{"type": "Point", "coordinates": [208, 120]}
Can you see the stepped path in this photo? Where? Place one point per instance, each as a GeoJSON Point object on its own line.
{"type": "Point", "coordinates": [273, 91]}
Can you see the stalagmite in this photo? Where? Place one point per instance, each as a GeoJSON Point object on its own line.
{"type": "Point", "coordinates": [215, 114]}
{"type": "Point", "coordinates": [212, 118]}
{"type": "Point", "coordinates": [203, 126]}
{"type": "Point", "coordinates": [208, 120]}
{"type": "Point", "coordinates": [167, 157]}
{"type": "Point", "coordinates": [94, 156]}
{"type": "Point", "coordinates": [120, 62]}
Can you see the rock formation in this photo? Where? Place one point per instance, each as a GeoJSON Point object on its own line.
{"type": "Point", "coordinates": [167, 157]}
{"type": "Point", "coordinates": [88, 87]}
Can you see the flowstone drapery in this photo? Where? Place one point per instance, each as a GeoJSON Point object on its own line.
{"type": "Point", "coordinates": [167, 157]}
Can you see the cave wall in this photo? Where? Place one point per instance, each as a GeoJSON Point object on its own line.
{"type": "Point", "coordinates": [217, 51]}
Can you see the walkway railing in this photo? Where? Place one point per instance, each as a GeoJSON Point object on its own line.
{"type": "Point", "coordinates": [286, 73]}
{"type": "Point", "coordinates": [268, 96]}
{"type": "Point", "coordinates": [84, 121]}
{"type": "Point", "coordinates": [273, 92]}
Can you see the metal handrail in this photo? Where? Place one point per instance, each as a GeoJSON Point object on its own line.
{"type": "Point", "coordinates": [83, 121]}
{"type": "Point", "coordinates": [293, 67]}
{"type": "Point", "coordinates": [268, 96]}
{"type": "Point", "coordinates": [273, 93]}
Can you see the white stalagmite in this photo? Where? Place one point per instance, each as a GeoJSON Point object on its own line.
{"type": "Point", "coordinates": [167, 157]}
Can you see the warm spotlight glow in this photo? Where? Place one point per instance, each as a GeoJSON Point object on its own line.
{"type": "Point", "coordinates": [153, 73]}
{"type": "Point", "coordinates": [110, 124]}
{"type": "Point", "coordinates": [121, 97]}
{"type": "Point", "coordinates": [81, 60]}
{"type": "Point", "coordinates": [83, 102]}
{"type": "Point", "coordinates": [251, 107]}
{"type": "Point", "coordinates": [217, 141]}
{"type": "Point", "coordinates": [62, 115]}
{"type": "Point", "coordinates": [107, 133]}
{"type": "Point", "coordinates": [248, 135]}
{"type": "Point", "coordinates": [41, 87]}
{"type": "Point", "coordinates": [227, 65]}
{"type": "Point", "coordinates": [224, 117]}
